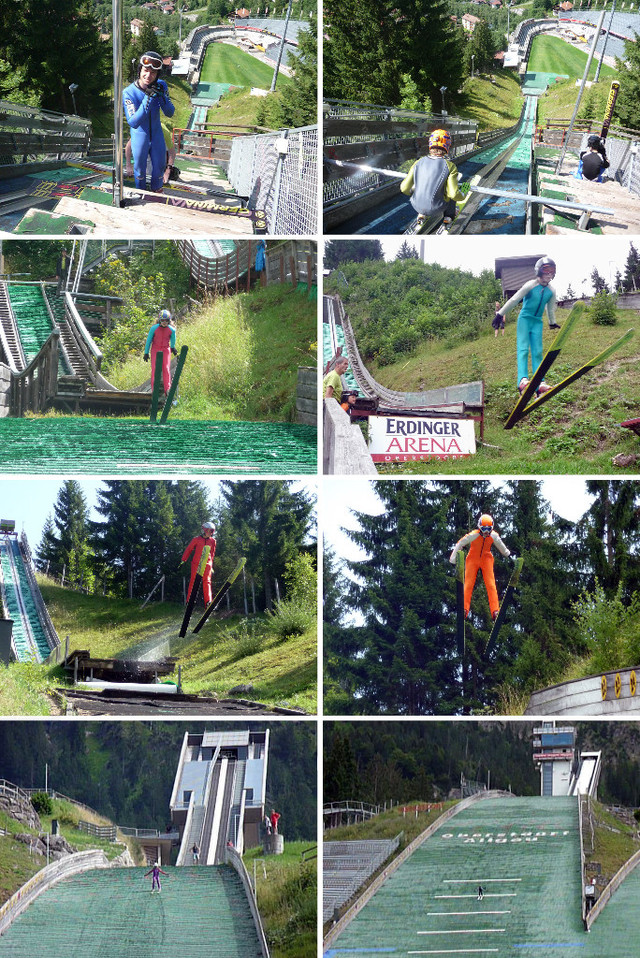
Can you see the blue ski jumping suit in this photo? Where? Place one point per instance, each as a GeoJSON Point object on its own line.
{"type": "Point", "coordinates": [147, 139]}
{"type": "Point", "coordinates": [535, 298]}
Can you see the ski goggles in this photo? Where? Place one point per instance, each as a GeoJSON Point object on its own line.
{"type": "Point", "coordinates": [153, 63]}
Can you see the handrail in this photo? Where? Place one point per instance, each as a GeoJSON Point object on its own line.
{"type": "Point", "coordinates": [33, 387]}
{"type": "Point", "coordinates": [234, 859]}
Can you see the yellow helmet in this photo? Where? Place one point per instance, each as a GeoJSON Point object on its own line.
{"type": "Point", "coordinates": [441, 139]}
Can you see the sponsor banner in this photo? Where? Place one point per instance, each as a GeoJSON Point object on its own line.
{"type": "Point", "coordinates": [413, 438]}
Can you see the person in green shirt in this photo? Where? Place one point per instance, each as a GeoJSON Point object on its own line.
{"type": "Point", "coordinates": [332, 383]}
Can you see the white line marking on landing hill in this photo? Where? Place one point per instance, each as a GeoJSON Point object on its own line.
{"type": "Point", "coordinates": [456, 951]}
{"type": "Point", "coordinates": [440, 914]}
{"type": "Point", "coordinates": [462, 931]}
{"type": "Point", "coordinates": [504, 894]}
{"type": "Point", "coordinates": [475, 881]}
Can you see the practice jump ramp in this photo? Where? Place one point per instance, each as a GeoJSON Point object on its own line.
{"type": "Point", "coordinates": [202, 911]}
{"type": "Point", "coordinates": [611, 693]}
{"type": "Point", "coordinates": [524, 852]}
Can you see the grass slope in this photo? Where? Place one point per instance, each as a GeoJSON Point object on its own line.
{"type": "Point", "coordinates": [225, 63]}
{"type": "Point", "coordinates": [244, 354]}
{"type": "Point", "coordinates": [287, 899]}
{"type": "Point", "coordinates": [225, 654]}
{"type": "Point", "coordinates": [494, 102]}
{"type": "Point", "coordinates": [553, 55]}
{"type": "Point", "coordinates": [17, 864]}
{"type": "Point", "coordinates": [575, 432]}
{"type": "Point", "coordinates": [560, 99]}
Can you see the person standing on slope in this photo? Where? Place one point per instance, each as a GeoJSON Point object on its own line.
{"type": "Point", "coordinates": [479, 557]}
{"type": "Point", "coordinates": [196, 546]}
{"type": "Point", "coordinates": [536, 295]}
{"type": "Point", "coordinates": [161, 339]}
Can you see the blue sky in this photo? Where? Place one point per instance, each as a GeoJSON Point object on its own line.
{"type": "Point", "coordinates": [30, 501]}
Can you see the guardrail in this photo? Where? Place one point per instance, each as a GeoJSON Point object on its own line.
{"type": "Point", "coordinates": [607, 892]}
{"type": "Point", "coordinates": [106, 832]}
{"type": "Point", "coordinates": [32, 388]}
{"type": "Point", "coordinates": [28, 131]}
{"type": "Point", "coordinates": [53, 640]}
{"type": "Point", "coordinates": [85, 343]}
{"type": "Point", "coordinates": [45, 878]}
{"type": "Point", "coordinates": [233, 858]}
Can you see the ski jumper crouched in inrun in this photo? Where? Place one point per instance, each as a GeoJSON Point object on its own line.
{"type": "Point", "coordinates": [536, 296]}
{"type": "Point", "coordinates": [161, 339]}
{"type": "Point", "coordinates": [196, 546]}
{"type": "Point", "coordinates": [480, 541]}
{"type": "Point", "coordinates": [432, 182]}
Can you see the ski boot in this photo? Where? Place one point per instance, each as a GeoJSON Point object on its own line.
{"type": "Point", "coordinates": [522, 385]}
{"type": "Point", "coordinates": [542, 388]}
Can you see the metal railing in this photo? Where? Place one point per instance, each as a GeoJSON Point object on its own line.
{"type": "Point", "coordinates": [85, 343]}
{"type": "Point", "coordinates": [53, 640]}
{"type": "Point", "coordinates": [28, 132]}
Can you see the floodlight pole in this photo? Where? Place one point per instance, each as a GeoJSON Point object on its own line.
{"type": "Point", "coordinates": [582, 85]}
{"type": "Point", "coordinates": [604, 45]}
{"type": "Point", "coordinates": [118, 146]}
{"type": "Point", "coordinates": [281, 51]}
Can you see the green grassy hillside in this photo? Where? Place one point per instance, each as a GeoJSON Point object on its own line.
{"type": "Point", "coordinates": [494, 102]}
{"type": "Point", "coordinates": [226, 653]}
{"type": "Point", "coordinates": [553, 55]}
{"type": "Point", "coordinates": [576, 432]}
{"type": "Point", "coordinates": [287, 899]}
{"type": "Point", "coordinates": [244, 353]}
{"type": "Point", "coordinates": [224, 63]}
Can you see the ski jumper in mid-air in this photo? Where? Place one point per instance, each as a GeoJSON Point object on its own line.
{"type": "Point", "coordinates": [432, 181]}
{"type": "Point", "coordinates": [196, 546]}
{"type": "Point", "coordinates": [480, 541]}
{"type": "Point", "coordinates": [143, 101]}
{"type": "Point", "coordinates": [536, 295]}
{"type": "Point", "coordinates": [161, 339]}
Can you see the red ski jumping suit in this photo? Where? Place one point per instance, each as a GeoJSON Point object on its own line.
{"type": "Point", "coordinates": [196, 546]}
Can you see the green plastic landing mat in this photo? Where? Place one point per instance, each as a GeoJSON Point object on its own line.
{"type": "Point", "coordinates": [84, 445]}
{"type": "Point", "coordinates": [200, 912]}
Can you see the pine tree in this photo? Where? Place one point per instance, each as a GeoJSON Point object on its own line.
{"type": "Point", "coordinates": [598, 282]}
{"type": "Point", "coordinates": [46, 552]}
{"type": "Point", "coordinates": [65, 538]}
{"type": "Point", "coordinates": [407, 251]}
{"type": "Point", "coordinates": [610, 535]}
{"type": "Point", "coordinates": [631, 279]}
{"type": "Point", "coordinates": [269, 523]}
{"type": "Point", "coordinates": [337, 252]}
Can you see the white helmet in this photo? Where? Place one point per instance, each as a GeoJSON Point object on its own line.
{"type": "Point", "coordinates": [209, 526]}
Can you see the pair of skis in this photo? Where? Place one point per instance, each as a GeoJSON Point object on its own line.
{"type": "Point", "coordinates": [502, 612]}
{"type": "Point", "coordinates": [216, 600]}
{"type": "Point", "coordinates": [523, 407]}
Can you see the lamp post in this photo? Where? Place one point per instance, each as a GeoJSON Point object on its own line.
{"type": "Point", "coordinates": [442, 91]}
{"type": "Point", "coordinates": [72, 89]}
{"type": "Point", "coordinates": [473, 56]}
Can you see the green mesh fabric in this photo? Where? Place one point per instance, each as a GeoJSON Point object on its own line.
{"type": "Point", "coordinates": [111, 913]}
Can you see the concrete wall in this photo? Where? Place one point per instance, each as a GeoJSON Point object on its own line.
{"type": "Point", "coordinates": [5, 387]}
{"type": "Point", "coordinates": [307, 396]}
{"type": "Point", "coordinates": [345, 452]}
{"type": "Point", "coordinates": [608, 694]}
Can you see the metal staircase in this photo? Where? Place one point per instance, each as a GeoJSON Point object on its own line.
{"type": "Point", "coordinates": [9, 338]}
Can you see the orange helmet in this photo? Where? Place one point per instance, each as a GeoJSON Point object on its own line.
{"type": "Point", "coordinates": [441, 139]}
{"type": "Point", "coordinates": [485, 524]}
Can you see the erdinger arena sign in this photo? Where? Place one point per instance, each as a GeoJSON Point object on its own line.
{"type": "Point", "coordinates": [412, 438]}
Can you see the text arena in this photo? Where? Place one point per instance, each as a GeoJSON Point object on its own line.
{"type": "Point", "coordinates": [407, 439]}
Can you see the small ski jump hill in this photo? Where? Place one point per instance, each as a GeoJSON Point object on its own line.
{"type": "Point", "coordinates": [520, 178]}
{"type": "Point", "coordinates": [33, 636]}
{"type": "Point", "coordinates": [58, 178]}
{"type": "Point", "coordinates": [525, 853]}
{"type": "Point", "coordinates": [202, 910]}
{"type": "Point", "coordinates": [49, 360]}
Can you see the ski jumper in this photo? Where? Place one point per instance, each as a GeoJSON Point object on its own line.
{"type": "Point", "coordinates": [147, 139]}
{"type": "Point", "coordinates": [161, 339]}
{"type": "Point", "coordinates": [196, 546]}
{"type": "Point", "coordinates": [479, 557]}
{"type": "Point", "coordinates": [535, 299]}
{"type": "Point", "coordinates": [155, 872]}
{"type": "Point", "coordinates": [432, 186]}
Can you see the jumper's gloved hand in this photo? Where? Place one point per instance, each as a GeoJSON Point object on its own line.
{"type": "Point", "coordinates": [161, 88]}
{"type": "Point", "coordinates": [554, 326]}
{"type": "Point", "coordinates": [513, 557]}
{"type": "Point", "coordinates": [174, 351]}
{"type": "Point", "coordinates": [146, 357]}
{"type": "Point", "coordinates": [452, 558]}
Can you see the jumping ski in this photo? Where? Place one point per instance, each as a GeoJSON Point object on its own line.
{"type": "Point", "coordinates": [504, 605]}
{"type": "Point", "coordinates": [220, 594]}
{"type": "Point", "coordinates": [460, 617]}
{"type": "Point", "coordinates": [174, 384]}
{"type": "Point", "coordinates": [548, 359]}
{"type": "Point", "coordinates": [193, 595]}
{"type": "Point", "coordinates": [608, 113]}
{"type": "Point", "coordinates": [571, 378]}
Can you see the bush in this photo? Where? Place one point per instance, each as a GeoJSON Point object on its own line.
{"type": "Point", "coordinates": [290, 619]}
{"type": "Point", "coordinates": [42, 803]}
{"type": "Point", "coordinates": [301, 581]}
{"type": "Point", "coordinates": [603, 311]}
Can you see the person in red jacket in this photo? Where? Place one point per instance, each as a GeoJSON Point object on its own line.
{"type": "Point", "coordinates": [161, 338]}
{"type": "Point", "coordinates": [480, 541]}
{"type": "Point", "coordinates": [196, 546]}
{"type": "Point", "coordinates": [275, 817]}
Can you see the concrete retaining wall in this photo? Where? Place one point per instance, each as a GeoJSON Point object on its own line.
{"type": "Point", "coordinates": [608, 694]}
{"type": "Point", "coordinates": [307, 396]}
{"type": "Point", "coordinates": [345, 452]}
{"type": "Point", "coordinates": [5, 389]}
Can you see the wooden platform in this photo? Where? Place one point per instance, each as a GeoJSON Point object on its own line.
{"type": "Point", "coordinates": [625, 220]}
{"type": "Point", "coordinates": [152, 221]}
{"type": "Point", "coordinates": [82, 666]}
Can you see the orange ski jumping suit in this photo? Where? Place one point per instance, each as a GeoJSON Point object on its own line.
{"type": "Point", "coordinates": [480, 557]}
